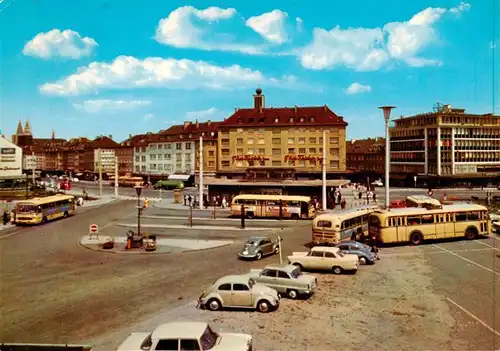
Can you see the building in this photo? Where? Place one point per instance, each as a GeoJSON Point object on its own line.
{"type": "Point", "coordinates": [11, 158]}
{"type": "Point", "coordinates": [447, 143]}
{"type": "Point", "coordinates": [125, 154]}
{"type": "Point", "coordinates": [263, 141]}
{"type": "Point", "coordinates": [365, 158]}
{"type": "Point", "coordinates": [101, 151]}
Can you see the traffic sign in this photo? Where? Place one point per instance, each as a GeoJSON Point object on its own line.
{"type": "Point", "coordinates": [93, 229]}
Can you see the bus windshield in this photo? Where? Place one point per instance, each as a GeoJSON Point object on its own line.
{"type": "Point", "coordinates": [25, 208]}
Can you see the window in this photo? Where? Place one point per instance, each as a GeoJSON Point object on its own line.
{"type": "Point", "coordinates": [276, 151]}
{"type": "Point", "coordinates": [225, 152]}
{"type": "Point", "coordinates": [334, 164]}
{"type": "Point", "coordinates": [460, 217]}
{"type": "Point", "coordinates": [276, 141]}
{"type": "Point", "coordinates": [291, 140]}
{"type": "Point", "coordinates": [160, 157]}
{"type": "Point", "coordinates": [312, 140]}
{"type": "Point", "coordinates": [250, 151]}
{"type": "Point", "coordinates": [262, 151]}
{"type": "Point", "coordinates": [334, 151]}
{"type": "Point", "coordinates": [188, 146]}
{"type": "Point", "coordinates": [240, 287]}
{"type": "Point", "coordinates": [168, 157]}
{"type": "Point", "coordinates": [225, 287]}
{"type": "Point", "coordinates": [334, 140]}
{"type": "Point", "coordinates": [472, 216]}
{"type": "Point", "coordinates": [239, 151]}
{"type": "Point", "coordinates": [168, 146]}
{"type": "Point", "coordinates": [178, 146]}
{"type": "Point", "coordinates": [302, 140]}
{"type": "Point", "coordinates": [324, 224]}
{"type": "Point", "coordinates": [211, 153]}
{"type": "Point", "coordinates": [312, 150]}
{"type": "Point", "coordinates": [211, 163]}
{"type": "Point", "coordinates": [143, 158]}
{"type": "Point", "coordinates": [190, 345]}
{"type": "Point", "coordinates": [250, 141]}
{"type": "Point", "coordinates": [239, 141]}
{"type": "Point", "coordinates": [291, 150]}
{"type": "Point", "coordinates": [413, 220]}
{"type": "Point", "coordinates": [283, 275]}
{"type": "Point", "coordinates": [167, 345]}
{"type": "Point", "coordinates": [428, 219]}
{"type": "Point", "coordinates": [329, 254]}
{"type": "Point", "coordinates": [137, 158]}
{"type": "Point", "coordinates": [225, 164]}
{"type": "Point", "coordinates": [269, 273]}
{"type": "Point", "coordinates": [261, 141]}
{"type": "Point", "coordinates": [316, 253]}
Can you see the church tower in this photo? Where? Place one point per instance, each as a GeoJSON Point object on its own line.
{"type": "Point", "coordinates": [27, 128]}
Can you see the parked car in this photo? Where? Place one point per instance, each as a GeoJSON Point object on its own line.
{"type": "Point", "coordinates": [258, 246]}
{"type": "Point", "coordinates": [239, 291]}
{"type": "Point", "coordinates": [364, 252]}
{"type": "Point", "coordinates": [325, 258]}
{"type": "Point", "coordinates": [378, 183]}
{"type": "Point", "coordinates": [186, 336]}
{"type": "Point", "coordinates": [495, 216]}
{"type": "Point", "coordinates": [285, 279]}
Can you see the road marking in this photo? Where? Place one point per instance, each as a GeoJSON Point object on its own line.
{"type": "Point", "coordinates": [466, 259]}
{"type": "Point", "coordinates": [11, 234]}
{"type": "Point", "coordinates": [474, 317]}
{"type": "Point", "coordinates": [493, 247]}
{"type": "Point", "coordinates": [430, 252]}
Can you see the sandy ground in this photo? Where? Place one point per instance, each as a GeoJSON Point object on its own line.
{"type": "Point", "coordinates": [389, 306]}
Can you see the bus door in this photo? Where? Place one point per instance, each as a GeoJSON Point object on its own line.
{"type": "Point", "coordinates": [304, 209]}
{"type": "Point", "coordinates": [440, 223]}
{"type": "Point", "coordinates": [399, 223]}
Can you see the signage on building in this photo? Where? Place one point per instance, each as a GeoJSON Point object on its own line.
{"type": "Point", "coordinates": [250, 158]}
{"type": "Point", "coordinates": [8, 154]}
{"type": "Point", "coordinates": [7, 168]}
{"type": "Point", "coordinates": [303, 158]}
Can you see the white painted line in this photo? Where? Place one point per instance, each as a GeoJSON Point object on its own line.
{"type": "Point", "coordinates": [474, 317]}
{"type": "Point", "coordinates": [429, 252]}
{"type": "Point", "coordinates": [11, 234]}
{"type": "Point", "coordinates": [466, 259]}
{"type": "Point", "coordinates": [493, 247]}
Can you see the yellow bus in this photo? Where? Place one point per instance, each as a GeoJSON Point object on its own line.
{"type": "Point", "coordinates": [422, 201]}
{"type": "Point", "coordinates": [333, 227]}
{"type": "Point", "coordinates": [43, 209]}
{"type": "Point", "coordinates": [416, 225]}
{"type": "Point", "coordinates": [294, 207]}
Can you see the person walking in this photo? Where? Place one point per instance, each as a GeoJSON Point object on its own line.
{"type": "Point", "coordinates": [5, 217]}
{"type": "Point", "coordinates": [373, 246]}
{"type": "Point", "coordinates": [374, 197]}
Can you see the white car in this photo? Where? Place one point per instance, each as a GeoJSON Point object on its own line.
{"type": "Point", "coordinates": [378, 183]}
{"type": "Point", "coordinates": [325, 258]}
{"type": "Point", "coordinates": [186, 336]}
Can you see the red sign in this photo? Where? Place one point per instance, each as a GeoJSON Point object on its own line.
{"type": "Point", "coordinates": [303, 158]}
{"type": "Point", "coordinates": [250, 158]}
{"type": "Point", "coordinates": [94, 229]}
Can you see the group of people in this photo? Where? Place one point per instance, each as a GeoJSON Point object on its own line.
{"type": "Point", "coordinates": [9, 217]}
{"type": "Point", "coordinates": [220, 201]}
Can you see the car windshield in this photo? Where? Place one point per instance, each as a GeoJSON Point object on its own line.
{"type": "Point", "coordinates": [208, 339]}
{"type": "Point", "coordinates": [296, 273]}
{"type": "Point", "coordinates": [252, 242]}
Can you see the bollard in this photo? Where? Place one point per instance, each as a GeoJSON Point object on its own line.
{"type": "Point", "coordinates": [281, 210]}
{"type": "Point", "coordinates": [190, 215]}
{"type": "Point", "coordinates": [242, 216]}
{"type": "Point", "coordinates": [215, 205]}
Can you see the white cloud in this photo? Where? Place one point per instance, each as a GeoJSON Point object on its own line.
{"type": "Point", "coordinates": [104, 105]}
{"type": "Point", "coordinates": [299, 24]}
{"type": "Point", "coordinates": [461, 8]}
{"type": "Point", "coordinates": [356, 88]}
{"type": "Point", "coordinates": [369, 49]}
{"type": "Point", "coordinates": [204, 114]}
{"type": "Point", "coordinates": [270, 25]}
{"type": "Point", "coordinates": [148, 116]}
{"type": "Point", "coordinates": [127, 72]}
{"type": "Point", "coordinates": [56, 43]}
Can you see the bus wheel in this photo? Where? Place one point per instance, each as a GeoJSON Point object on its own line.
{"type": "Point", "coordinates": [471, 233]}
{"type": "Point", "coordinates": [416, 238]}
{"type": "Point", "coordinates": [66, 215]}
{"type": "Point", "coordinates": [44, 220]}
{"type": "Point", "coordinates": [250, 215]}
{"type": "Point", "coordinates": [294, 216]}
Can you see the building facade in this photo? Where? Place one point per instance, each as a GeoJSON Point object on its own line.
{"type": "Point", "coordinates": [366, 156]}
{"type": "Point", "coordinates": [282, 138]}
{"type": "Point", "coordinates": [11, 158]}
{"type": "Point", "coordinates": [446, 143]}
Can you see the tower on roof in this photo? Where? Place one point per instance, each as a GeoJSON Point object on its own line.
{"type": "Point", "coordinates": [19, 128]}
{"type": "Point", "coordinates": [53, 136]}
{"type": "Point", "coordinates": [27, 127]}
{"type": "Point", "coordinates": [258, 100]}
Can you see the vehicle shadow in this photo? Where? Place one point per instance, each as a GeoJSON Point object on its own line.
{"type": "Point", "coordinates": [431, 241]}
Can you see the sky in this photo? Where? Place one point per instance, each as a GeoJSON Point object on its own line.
{"type": "Point", "coordinates": [109, 67]}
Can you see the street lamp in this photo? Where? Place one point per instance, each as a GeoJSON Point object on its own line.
{"type": "Point", "coordinates": [387, 115]}
{"type": "Point", "coordinates": [138, 191]}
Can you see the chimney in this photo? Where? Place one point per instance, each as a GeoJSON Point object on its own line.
{"type": "Point", "coordinates": [197, 124]}
{"type": "Point", "coordinates": [186, 124]}
{"type": "Point", "coordinates": [110, 136]}
{"type": "Point", "coordinates": [258, 100]}
{"type": "Point", "coordinates": [325, 108]}
{"type": "Point", "coordinates": [295, 109]}
{"type": "Point", "coordinates": [130, 136]}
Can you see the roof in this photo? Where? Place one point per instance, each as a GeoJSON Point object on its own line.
{"type": "Point", "coordinates": [446, 208]}
{"type": "Point", "coordinates": [325, 248]}
{"type": "Point", "coordinates": [284, 267]}
{"type": "Point", "coordinates": [346, 214]}
{"type": "Point", "coordinates": [234, 279]}
{"type": "Point", "coordinates": [363, 146]}
{"type": "Point", "coordinates": [46, 199]}
{"type": "Point", "coordinates": [179, 330]}
{"type": "Point", "coordinates": [104, 142]}
{"type": "Point", "coordinates": [284, 116]}
{"type": "Point", "coordinates": [272, 197]}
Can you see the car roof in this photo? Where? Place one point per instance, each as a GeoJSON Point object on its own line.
{"type": "Point", "coordinates": [233, 279]}
{"type": "Point", "coordinates": [256, 238]}
{"type": "Point", "coordinates": [179, 330]}
{"type": "Point", "coordinates": [283, 267]}
{"type": "Point", "coordinates": [350, 242]}
{"type": "Point", "coordinates": [325, 248]}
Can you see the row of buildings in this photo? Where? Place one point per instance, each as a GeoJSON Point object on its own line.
{"type": "Point", "coordinates": [285, 143]}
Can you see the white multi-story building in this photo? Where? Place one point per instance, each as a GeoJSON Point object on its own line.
{"type": "Point", "coordinates": [107, 160]}
{"type": "Point", "coordinates": [11, 158]}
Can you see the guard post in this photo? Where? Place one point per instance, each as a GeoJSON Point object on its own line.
{"type": "Point", "coordinates": [281, 210]}
{"type": "Point", "coordinates": [215, 205]}
{"type": "Point", "coordinates": [190, 214]}
{"type": "Point", "coordinates": [242, 216]}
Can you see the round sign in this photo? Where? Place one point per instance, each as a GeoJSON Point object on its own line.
{"type": "Point", "coordinates": [93, 228]}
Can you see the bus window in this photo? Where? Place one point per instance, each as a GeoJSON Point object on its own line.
{"type": "Point", "coordinates": [460, 217]}
{"type": "Point", "coordinates": [413, 220]}
{"type": "Point", "coordinates": [324, 224]}
{"type": "Point", "coordinates": [472, 216]}
{"type": "Point", "coordinates": [428, 219]}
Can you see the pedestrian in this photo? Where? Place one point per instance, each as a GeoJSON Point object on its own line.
{"type": "Point", "coordinates": [13, 216]}
{"type": "Point", "coordinates": [367, 197]}
{"type": "Point", "coordinates": [185, 200]}
{"type": "Point", "coordinates": [360, 195]}
{"type": "Point", "coordinates": [373, 246]}
{"type": "Point", "coordinates": [224, 202]}
{"type": "Point", "coordinates": [5, 217]}
{"type": "Point", "coordinates": [374, 197]}
{"type": "Point", "coordinates": [190, 199]}
{"type": "Point", "coordinates": [342, 204]}
{"type": "Point", "coordinates": [339, 198]}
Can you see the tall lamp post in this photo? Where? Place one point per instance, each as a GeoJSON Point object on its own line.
{"type": "Point", "coordinates": [138, 191]}
{"type": "Point", "coordinates": [387, 115]}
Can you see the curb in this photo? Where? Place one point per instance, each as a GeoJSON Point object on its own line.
{"type": "Point", "coordinates": [186, 208]}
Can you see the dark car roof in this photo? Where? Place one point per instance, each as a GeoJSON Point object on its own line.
{"type": "Point", "coordinates": [351, 243]}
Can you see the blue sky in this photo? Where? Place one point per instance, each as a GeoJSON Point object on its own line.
{"type": "Point", "coordinates": [117, 67]}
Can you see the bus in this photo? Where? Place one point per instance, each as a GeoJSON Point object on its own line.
{"type": "Point", "coordinates": [126, 181]}
{"type": "Point", "coordinates": [43, 209]}
{"type": "Point", "coordinates": [333, 227]}
{"type": "Point", "coordinates": [295, 207]}
{"type": "Point", "coordinates": [415, 225]}
{"type": "Point", "coordinates": [422, 201]}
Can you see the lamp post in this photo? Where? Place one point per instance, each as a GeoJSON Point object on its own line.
{"type": "Point", "coordinates": [138, 191]}
{"type": "Point", "coordinates": [387, 115]}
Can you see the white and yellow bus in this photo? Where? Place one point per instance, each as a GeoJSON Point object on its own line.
{"type": "Point", "coordinates": [333, 227]}
{"type": "Point", "coordinates": [44, 209]}
{"type": "Point", "coordinates": [416, 225]}
{"type": "Point", "coordinates": [295, 207]}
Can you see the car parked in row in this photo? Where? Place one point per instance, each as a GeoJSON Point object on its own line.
{"type": "Point", "coordinates": [186, 336]}
{"type": "Point", "coordinates": [364, 252]}
{"type": "Point", "coordinates": [285, 279]}
{"type": "Point", "coordinates": [326, 259]}
{"type": "Point", "coordinates": [257, 247]}
{"type": "Point", "coordinates": [239, 291]}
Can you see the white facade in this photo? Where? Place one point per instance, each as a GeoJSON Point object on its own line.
{"type": "Point", "coordinates": [165, 158]}
{"type": "Point", "coordinates": [107, 160]}
{"type": "Point", "coordinates": [11, 158]}
{"type": "Point", "coordinates": [30, 161]}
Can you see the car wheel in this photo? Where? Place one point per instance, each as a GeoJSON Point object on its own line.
{"type": "Point", "coordinates": [214, 305]}
{"type": "Point", "coordinates": [263, 306]}
{"type": "Point", "coordinates": [416, 238]}
{"type": "Point", "coordinates": [293, 294]}
{"type": "Point", "coordinates": [258, 256]}
{"type": "Point", "coordinates": [250, 215]}
{"type": "Point", "coordinates": [298, 265]}
{"type": "Point", "coordinates": [337, 270]}
{"type": "Point", "coordinates": [363, 260]}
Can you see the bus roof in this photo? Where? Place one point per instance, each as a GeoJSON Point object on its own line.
{"type": "Point", "coordinates": [423, 199]}
{"type": "Point", "coordinates": [421, 210]}
{"type": "Point", "coordinates": [272, 197]}
{"type": "Point", "coordinates": [46, 199]}
{"type": "Point", "coordinates": [346, 214]}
